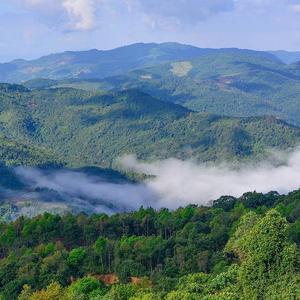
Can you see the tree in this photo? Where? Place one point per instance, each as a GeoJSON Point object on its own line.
{"type": "Point", "coordinates": [86, 288]}
{"type": "Point", "coordinates": [54, 291]}
{"type": "Point", "coordinates": [101, 249]}
{"type": "Point", "coordinates": [121, 292]}
{"type": "Point", "coordinates": [26, 293]}
{"type": "Point", "coordinates": [268, 261]}
{"type": "Point", "coordinates": [75, 259]}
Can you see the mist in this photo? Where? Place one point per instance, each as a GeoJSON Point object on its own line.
{"type": "Point", "coordinates": [171, 183]}
{"type": "Point", "coordinates": [83, 192]}
{"type": "Point", "coordinates": [180, 182]}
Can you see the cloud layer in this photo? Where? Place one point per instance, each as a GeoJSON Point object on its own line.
{"type": "Point", "coordinates": [183, 182]}
{"type": "Point", "coordinates": [87, 193]}
{"type": "Point", "coordinates": [172, 183]}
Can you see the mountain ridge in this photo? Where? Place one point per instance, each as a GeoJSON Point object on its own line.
{"type": "Point", "coordinates": [103, 63]}
{"type": "Point", "coordinates": [232, 83]}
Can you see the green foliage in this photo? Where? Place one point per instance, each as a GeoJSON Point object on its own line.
{"type": "Point", "coordinates": [86, 288]}
{"type": "Point", "coordinates": [192, 253]}
{"type": "Point", "coordinates": [19, 153]}
{"type": "Point", "coordinates": [53, 292]}
{"type": "Point", "coordinates": [231, 83]}
{"type": "Point", "coordinates": [121, 292]}
{"type": "Point", "coordinates": [269, 262]}
{"type": "Point", "coordinates": [89, 128]}
{"type": "Point", "coordinates": [76, 256]}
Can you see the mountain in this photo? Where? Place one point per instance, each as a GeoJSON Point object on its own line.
{"type": "Point", "coordinates": [92, 128]}
{"type": "Point", "coordinates": [287, 56]}
{"type": "Point", "coordinates": [99, 64]}
{"type": "Point", "coordinates": [235, 84]}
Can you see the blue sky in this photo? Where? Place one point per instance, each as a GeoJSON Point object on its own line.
{"type": "Point", "coordinates": [31, 28]}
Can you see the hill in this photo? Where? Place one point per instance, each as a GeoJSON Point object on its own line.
{"type": "Point", "coordinates": [99, 64]}
{"type": "Point", "coordinates": [287, 57]}
{"type": "Point", "coordinates": [234, 84]}
{"type": "Point", "coordinates": [87, 131]}
{"type": "Point", "coordinates": [91, 128]}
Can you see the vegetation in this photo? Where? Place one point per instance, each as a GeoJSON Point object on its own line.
{"type": "Point", "coordinates": [239, 248]}
{"type": "Point", "coordinates": [94, 64]}
{"type": "Point", "coordinates": [243, 248]}
{"type": "Point", "coordinates": [17, 153]}
{"type": "Point", "coordinates": [91, 128]}
{"type": "Point", "coordinates": [232, 83]}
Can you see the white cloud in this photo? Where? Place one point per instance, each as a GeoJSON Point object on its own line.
{"type": "Point", "coordinates": [75, 14]}
{"type": "Point", "coordinates": [183, 182]}
{"type": "Point", "coordinates": [175, 183]}
{"type": "Point", "coordinates": [87, 192]}
{"type": "Point", "coordinates": [81, 13]}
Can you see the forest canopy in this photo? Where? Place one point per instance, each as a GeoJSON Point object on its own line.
{"type": "Point", "coordinates": [240, 248]}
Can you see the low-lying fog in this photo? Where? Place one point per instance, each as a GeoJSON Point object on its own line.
{"type": "Point", "coordinates": [174, 183]}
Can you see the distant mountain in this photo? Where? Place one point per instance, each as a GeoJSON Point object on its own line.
{"type": "Point", "coordinates": [287, 56]}
{"type": "Point", "coordinates": [235, 83]}
{"type": "Point", "coordinates": [91, 128]}
{"type": "Point", "coordinates": [93, 64]}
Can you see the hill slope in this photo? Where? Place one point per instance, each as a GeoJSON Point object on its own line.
{"type": "Point", "coordinates": [234, 84]}
{"type": "Point", "coordinates": [287, 57]}
{"type": "Point", "coordinates": [92, 128]}
{"type": "Point", "coordinates": [14, 153]}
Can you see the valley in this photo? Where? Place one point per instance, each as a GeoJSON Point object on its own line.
{"type": "Point", "coordinates": [165, 167]}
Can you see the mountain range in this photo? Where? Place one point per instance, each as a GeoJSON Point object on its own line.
{"type": "Point", "coordinates": [97, 64]}
{"type": "Point", "coordinates": [85, 110]}
{"type": "Point", "coordinates": [230, 82]}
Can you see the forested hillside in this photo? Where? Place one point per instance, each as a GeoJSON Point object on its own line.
{"type": "Point", "coordinates": [287, 56]}
{"type": "Point", "coordinates": [230, 82]}
{"type": "Point", "coordinates": [243, 248]}
{"type": "Point", "coordinates": [15, 153]}
{"type": "Point", "coordinates": [92, 128]}
{"type": "Point", "coordinates": [234, 83]}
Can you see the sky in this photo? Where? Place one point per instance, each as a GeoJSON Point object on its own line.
{"type": "Point", "coordinates": [32, 28]}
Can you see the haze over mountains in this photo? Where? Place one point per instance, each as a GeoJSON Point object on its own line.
{"type": "Point", "coordinates": [95, 64]}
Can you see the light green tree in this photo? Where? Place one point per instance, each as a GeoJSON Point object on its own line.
{"type": "Point", "coordinates": [268, 261]}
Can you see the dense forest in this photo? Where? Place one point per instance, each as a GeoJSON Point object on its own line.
{"type": "Point", "coordinates": [239, 248]}
{"type": "Point", "coordinates": [91, 128]}
{"type": "Point", "coordinates": [232, 83]}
